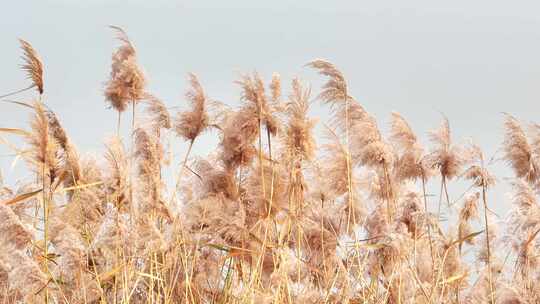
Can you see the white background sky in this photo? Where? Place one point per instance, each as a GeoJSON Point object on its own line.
{"type": "Point", "coordinates": [470, 60]}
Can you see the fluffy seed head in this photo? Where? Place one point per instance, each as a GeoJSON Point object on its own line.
{"type": "Point", "coordinates": [32, 65]}
{"type": "Point", "coordinates": [275, 87]}
{"type": "Point", "coordinates": [127, 82]}
{"type": "Point", "coordinates": [299, 139]}
{"type": "Point", "coordinates": [518, 152]}
{"type": "Point", "coordinates": [190, 124]}
{"type": "Point", "coordinates": [159, 115]}
{"type": "Point", "coordinates": [335, 89]}
{"type": "Point", "coordinates": [254, 94]}
{"type": "Point", "coordinates": [445, 157]}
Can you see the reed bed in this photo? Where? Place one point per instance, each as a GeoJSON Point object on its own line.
{"type": "Point", "coordinates": [275, 214]}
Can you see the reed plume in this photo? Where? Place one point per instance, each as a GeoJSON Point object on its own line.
{"type": "Point", "coordinates": [447, 158]}
{"type": "Point", "coordinates": [240, 129]}
{"type": "Point", "coordinates": [518, 151]}
{"type": "Point", "coordinates": [15, 233]}
{"type": "Point", "coordinates": [71, 163]}
{"type": "Point", "coordinates": [33, 66]}
{"type": "Point", "coordinates": [117, 181]}
{"type": "Point", "coordinates": [148, 153]}
{"type": "Point", "coordinates": [191, 124]}
{"type": "Point", "coordinates": [335, 92]}
{"type": "Point", "coordinates": [535, 144]}
{"type": "Point", "coordinates": [274, 180]}
{"type": "Point", "coordinates": [299, 141]}
{"type": "Point", "coordinates": [159, 114]}
{"type": "Point", "coordinates": [524, 216]}
{"type": "Point", "coordinates": [45, 149]}
{"type": "Point", "coordinates": [127, 82]}
{"type": "Point", "coordinates": [215, 180]}
{"type": "Point", "coordinates": [368, 146]}
{"type": "Point", "coordinates": [254, 93]}
{"type": "Point", "coordinates": [298, 145]}
{"type": "Point", "coordinates": [275, 88]}
{"type": "Point", "coordinates": [335, 89]}
{"type": "Point", "coordinates": [26, 280]}
{"type": "Point", "coordinates": [477, 172]}
{"type": "Point", "coordinates": [411, 164]}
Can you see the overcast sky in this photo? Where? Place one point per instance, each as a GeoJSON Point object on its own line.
{"type": "Point", "coordinates": [471, 60]}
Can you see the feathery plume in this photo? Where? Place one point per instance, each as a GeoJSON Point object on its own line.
{"type": "Point", "coordinates": [518, 152]}
{"type": "Point", "coordinates": [13, 231]}
{"type": "Point", "coordinates": [446, 157]}
{"type": "Point", "coordinates": [261, 203]}
{"type": "Point", "coordinates": [72, 166]}
{"type": "Point", "coordinates": [535, 139]}
{"type": "Point", "coordinates": [68, 243]}
{"type": "Point", "coordinates": [335, 89]}
{"type": "Point", "coordinates": [335, 168]}
{"type": "Point", "coordinates": [148, 152]}
{"type": "Point", "coordinates": [335, 92]}
{"type": "Point", "coordinates": [254, 93]}
{"type": "Point", "coordinates": [45, 149]}
{"type": "Point", "coordinates": [32, 65]}
{"type": "Point", "coordinates": [366, 144]}
{"type": "Point", "coordinates": [127, 82]}
{"type": "Point", "coordinates": [402, 134]}
{"type": "Point", "coordinates": [478, 172]}
{"type": "Point", "coordinates": [468, 213]}
{"type": "Point", "coordinates": [240, 130]}
{"type": "Point", "coordinates": [411, 213]}
{"type": "Point", "coordinates": [535, 144]}
{"type": "Point", "coordinates": [117, 184]}
{"type": "Point", "coordinates": [469, 210]}
{"type": "Point", "coordinates": [275, 88]}
{"type": "Point", "coordinates": [215, 181]}
{"type": "Point", "coordinates": [112, 231]}
{"type": "Point", "coordinates": [299, 141]}
{"type": "Point", "coordinates": [190, 124]}
{"type": "Point", "coordinates": [528, 257]}
{"type": "Point", "coordinates": [524, 197]}
{"type": "Point", "coordinates": [25, 276]}
{"type": "Point", "coordinates": [159, 115]}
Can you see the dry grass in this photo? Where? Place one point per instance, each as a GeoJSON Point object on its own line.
{"type": "Point", "coordinates": [272, 216]}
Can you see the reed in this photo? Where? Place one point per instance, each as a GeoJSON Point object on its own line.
{"type": "Point", "coordinates": [275, 214]}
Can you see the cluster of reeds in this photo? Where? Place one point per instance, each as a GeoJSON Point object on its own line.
{"type": "Point", "coordinates": [273, 216]}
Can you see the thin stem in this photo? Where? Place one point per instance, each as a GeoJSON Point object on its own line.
{"type": "Point", "coordinates": [45, 217]}
{"type": "Point", "coordinates": [428, 224]}
{"type": "Point", "coordinates": [118, 124]}
{"type": "Point", "coordinates": [131, 161]}
{"type": "Point", "coordinates": [261, 158]}
{"type": "Point", "coordinates": [440, 197]}
{"type": "Point", "coordinates": [45, 229]}
{"type": "Point", "coordinates": [184, 165]}
{"type": "Point", "coordinates": [349, 170]}
{"type": "Point", "coordinates": [389, 194]}
{"type": "Point", "coordinates": [17, 92]}
{"type": "Point", "coordinates": [446, 192]}
{"type": "Point", "coordinates": [269, 143]}
{"type": "Point", "coordinates": [490, 279]}
{"type": "Point", "coordinates": [133, 119]}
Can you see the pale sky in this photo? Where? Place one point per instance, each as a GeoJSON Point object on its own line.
{"type": "Point", "coordinates": [471, 60]}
